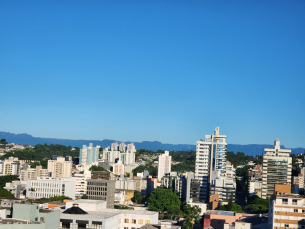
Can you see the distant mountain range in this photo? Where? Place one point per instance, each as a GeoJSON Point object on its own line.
{"type": "Point", "coordinates": [252, 149]}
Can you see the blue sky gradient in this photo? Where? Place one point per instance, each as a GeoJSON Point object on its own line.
{"type": "Point", "coordinates": [154, 70]}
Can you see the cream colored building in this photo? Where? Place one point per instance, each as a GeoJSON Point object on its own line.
{"type": "Point", "coordinates": [10, 166]}
{"type": "Point", "coordinates": [60, 167]}
{"type": "Point", "coordinates": [286, 211]}
{"type": "Point", "coordinates": [276, 169]}
{"type": "Point", "coordinates": [32, 174]}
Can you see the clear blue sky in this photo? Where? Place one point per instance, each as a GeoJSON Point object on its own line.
{"type": "Point", "coordinates": [169, 71]}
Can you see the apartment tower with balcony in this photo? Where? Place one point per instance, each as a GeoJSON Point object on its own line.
{"type": "Point", "coordinates": [276, 169]}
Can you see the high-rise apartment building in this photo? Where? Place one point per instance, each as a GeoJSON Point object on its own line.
{"type": "Point", "coordinates": [10, 166]}
{"type": "Point", "coordinates": [60, 167]}
{"type": "Point", "coordinates": [276, 169]}
{"type": "Point", "coordinates": [164, 164]}
{"type": "Point", "coordinates": [89, 155]}
{"type": "Point", "coordinates": [120, 152]}
{"type": "Point", "coordinates": [210, 155]}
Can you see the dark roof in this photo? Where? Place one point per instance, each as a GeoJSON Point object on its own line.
{"type": "Point", "coordinates": [75, 210]}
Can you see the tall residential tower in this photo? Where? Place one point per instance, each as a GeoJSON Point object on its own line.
{"type": "Point", "coordinates": [276, 169]}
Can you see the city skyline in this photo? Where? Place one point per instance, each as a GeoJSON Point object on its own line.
{"type": "Point", "coordinates": [163, 71]}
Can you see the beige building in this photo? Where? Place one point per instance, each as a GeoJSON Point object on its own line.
{"type": "Point", "coordinates": [60, 167]}
{"type": "Point", "coordinates": [276, 169]}
{"type": "Point", "coordinates": [32, 174]}
{"type": "Point", "coordinates": [286, 210]}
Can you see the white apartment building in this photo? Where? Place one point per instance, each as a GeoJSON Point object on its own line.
{"type": "Point", "coordinates": [81, 183]}
{"type": "Point", "coordinates": [164, 164]}
{"type": "Point", "coordinates": [124, 153]}
{"type": "Point", "coordinates": [60, 167]}
{"type": "Point", "coordinates": [286, 211]}
{"type": "Point", "coordinates": [213, 146]}
{"type": "Point", "coordinates": [254, 185]}
{"type": "Point", "coordinates": [10, 166]}
{"type": "Point", "coordinates": [45, 187]}
{"type": "Point", "coordinates": [276, 169]}
{"type": "Point", "coordinates": [32, 174]}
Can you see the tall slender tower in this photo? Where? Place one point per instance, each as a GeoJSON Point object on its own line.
{"type": "Point", "coordinates": [164, 164]}
{"type": "Point", "coordinates": [210, 155]}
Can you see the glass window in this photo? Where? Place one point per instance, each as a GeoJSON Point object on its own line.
{"type": "Point", "coordinates": [134, 221]}
{"type": "Point", "coordinates": [147, 221]}
{"type": "Point", "coordinates": [126, 221]}
{"type": "Point", "coordinates": [140, 221]}
{"type": "Point", "coordinates": [284, 201]}
{"type": "Point", "coordinates": [295, 210]}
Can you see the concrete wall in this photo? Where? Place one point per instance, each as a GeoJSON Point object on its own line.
{"type": "Point", "coordinates": [51, 219]}
{"type": "Point", "coordinates": [26, 211]}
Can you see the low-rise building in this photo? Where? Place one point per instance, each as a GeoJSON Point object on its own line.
{"type": "Point", "coordinates": [46, 187]}
{"type": "Point", "coordinates": [17, 188]}
{"type": "Point", "coordinates": [30, 216]}
{"type": "Point", "coordinates": [95, 214]}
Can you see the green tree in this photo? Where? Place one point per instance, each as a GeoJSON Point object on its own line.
{"type": "Point", "coordinates": [84, 196]}
{"type": "Point", "coordinates": [6, 193]}
{"type": "Point", "coordinates": [161, 198]}
{"type": "Point", "coordinates": [97, 168]}
{"type": "Point", "coordinates": [230, 203]}
{"type": "Point", "coordinates": [3, 141]}
{"type": "Point", "coordinates": [137, 197]}
{"type": "Point", "coordinates": [191, 215]}
{"type": "Point", "coordinates": [174, 211]}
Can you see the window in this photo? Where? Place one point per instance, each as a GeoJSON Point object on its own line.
{"type": "Point", "coordinates": [42, 219]}
{"type": "Point", "coordinates": [36, 219]}
{"type": "Point", "coordinates": [147, 221]}
{"type": "Point", "coordinates": [295, 210]}
{"type": "Point", "coordinates": [125, 227]}
{"type": "Point", "coordinates": [294, 202]}
{"type": "Point", "coordinates": [303, 210]}
{"type": "Point", "coordinates": [134, 221]}
{"type": "Point", "coordinates": [140, 221]}
{"type": "Point", "coordinates": [126, 220]}
{"type": "Point", "coordinates": [286, 225]}
{"type": "Point", "coordinates": [284, 201]}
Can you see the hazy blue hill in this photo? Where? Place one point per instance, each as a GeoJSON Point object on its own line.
{"type": "Point", "coordinates": [253, 149]}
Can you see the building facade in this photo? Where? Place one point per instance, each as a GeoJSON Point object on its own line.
{"type": "Point", "coordinates": [10, 166]}
{"type": "Point", "coordinates": [89, 155]}
{"type": "Point", "coordinates": [60, 167]}
{"type": "Point", "coordinates": [210, 156]}
{"type": "Point", "coordinates": [99, 189]}
{"type": "Point", "coordinates": [277, 166]}
{"type": "Point", "coordinates": [46, 187]}
{"type": "Point", "coordinates": [286, 210]}
{"type": "Point", "coordinates": [164, 164]}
